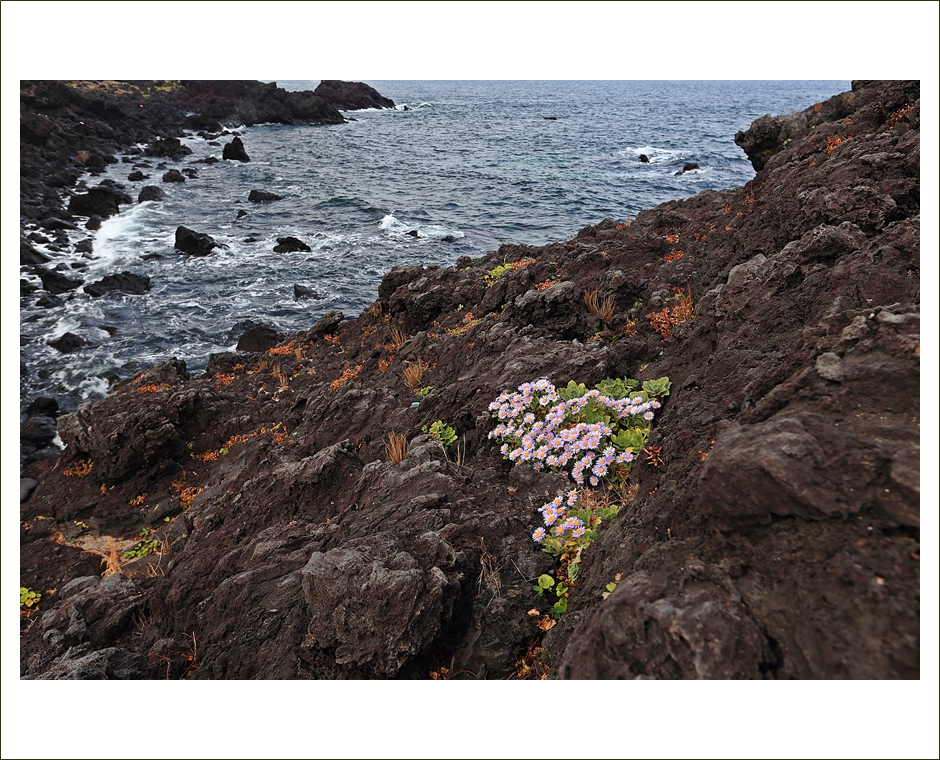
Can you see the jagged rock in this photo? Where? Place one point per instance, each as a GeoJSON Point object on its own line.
{"type": "Point", "coordinates": [55, 282]}
{"type": "Point", "coordinates": [302, 291]}
{"type": "Point", "coordinates": [258, 338]}
{"type": "Point", "coordinates": [351, 96]}
{"type": "Point", "coordinates": [325, 325]}
{"type": "Point", "coordinates": [644, 159]}
{"type": "Point", "coordinates": [235, 151]}
{"type": "Point", "coordinates": [47, 301]}
{"type": "Point", "coordinates": [102, 201]}
{"type": "Point", "coordinates": [125, 282]}
{"type": "Point", "coordinates": [290, 245]}
{"type": "Point", "coordinates": [168, 148]}
{"type": "Point", "coordinates": [241, 214]}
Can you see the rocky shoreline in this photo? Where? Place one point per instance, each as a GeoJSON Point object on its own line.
{"type": "Point", "coordinates": [248, 522]}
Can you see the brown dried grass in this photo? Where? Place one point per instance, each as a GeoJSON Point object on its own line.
{"type": "Point", "coordinates": [602, 311]}
{"type": "Point", "coordinates": [396, 447]}
{"type": "Point", "coordinates": [414, 373]}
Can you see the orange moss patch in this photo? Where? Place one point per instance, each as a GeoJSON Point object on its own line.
{"type": "Point", "coordinates": [348, 373]}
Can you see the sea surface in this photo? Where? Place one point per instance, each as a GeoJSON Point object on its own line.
{"type": "Point", "coordinates": [468, 165]}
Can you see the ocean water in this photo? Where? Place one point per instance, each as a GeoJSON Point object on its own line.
{"type": "Point", "coordinates": [468, 165]}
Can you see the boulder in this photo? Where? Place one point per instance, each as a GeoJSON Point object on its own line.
{"type": "Point", "coordinates": [194, 243]}
{"type": "Point", "coordinates": [302, 291]}
{"type": "Point", "coordinates": [150, 193]}
{"type": "Point", "coordinates": [102, 200]}
{"type": "Point", "coordinates": [56, 282]}
{"type": "Point", "coordinates": [168, 148]}
{"type": "Point", "coordinates": [138, 176]}
{"type": "Point", "coordinates": [173, 175]}
{"type": "Point", "coordinates": [43, 405]}
{"type": "Point", "coordinates": [68, 343]}
{"type": "Point", "coordinates": [241, 214]}
{"type": "Point", "coordinates": [258, 338]}
{"type": "Point", "coordinates": [290, 245]}
{"type": "Point", "coordinates": [687, 168]}
{"type": "Point", "coordinates": [325, 325]}
{"type": "Point", "coordinates": [125, 282]}
{"type": "Point", "coordinates": [94, 222]}
{"type": "Point", "coordinates": [235, 151]}
{"type": "Point", "coordinates": [257, 196]}
{"type": "Point", "coordinates": [47, 301]}
{"type": "Point", "coordinates": [644, 159]}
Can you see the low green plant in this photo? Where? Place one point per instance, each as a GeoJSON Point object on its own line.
{"type": "Point", "coordinates": [496, 272]}
{"type": "Point", "coordinates": [441, 431]}
{"type": "Point", "coordinates": [29, 598]}
{"type": "Point", "coordinates": [146, 546]}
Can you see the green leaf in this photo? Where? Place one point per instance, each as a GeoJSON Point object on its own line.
{"type": "Point", "coordinates": [658, 388]}
{"type": "Point", "coordinates": [611, 586]}
{"type": "Point", "coordinates": [572, 390]}
{"type": "Point", "coordinates": [573, 570]}
{"type": "Point", "coordinates": [546, 581]}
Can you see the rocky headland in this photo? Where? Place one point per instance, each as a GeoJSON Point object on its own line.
{"type": "Point", "coordinates": [254, 521]}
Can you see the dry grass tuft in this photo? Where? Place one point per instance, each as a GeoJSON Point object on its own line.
{"type": "Point", "coordinates": [414, 373]}
{"type": "Point", "coordinates": [603, 311]}
{"type": "Point", "coordinates": [398, 339]}
{"type": "Point", "coordinates": [111, 559]}
{"type": "Point", "coordinates": [375, 310]}
{"type": "Point", "coordinates": [489, 571]}
{"type": "Point", "coordinates": [282, 379]}
{"type": "Point", "coordinates": [396, 447]}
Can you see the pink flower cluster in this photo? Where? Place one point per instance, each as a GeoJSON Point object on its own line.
{"type": "Point", "coordinates": [554, 512]}
{"type": "Point", "coordinates": [549, 442]}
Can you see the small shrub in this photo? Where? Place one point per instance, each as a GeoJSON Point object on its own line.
{"type": "Point", "coordinates": [681, 311]}
{"type": "Point", "coordinates": [80, 469]}
{"type": "Point", "coordinates": [29, 598]}
{"type": "Point", "coordinates": [396, 447]}
{"type": "Point", "coordinates": [144, 547]}
{"type": "Point", "coordinates": [440, 431]}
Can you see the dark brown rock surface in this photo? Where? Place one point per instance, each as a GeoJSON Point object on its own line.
{"type": "Point", "coordinates": [773, 532]}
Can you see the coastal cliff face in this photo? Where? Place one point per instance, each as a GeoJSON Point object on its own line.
{"type": "Point", "coordinates": [769, 530]}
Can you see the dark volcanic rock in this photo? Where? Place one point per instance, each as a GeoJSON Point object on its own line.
{"type": "Point", "coordinates": [771, 528]}
{"type": "Point", "coordinates": [258, 338]}
{"type": "Point", "coordinates": [194, 243]}
{"type": "Point", "coordinates": [351, 96]}
{"type": "Point", "coordinates": [256, 196]}
{"type": "Point", "coordinates": [302, 291]}
{"type": "Point", "coordinates": [68, 343]}
{"type": "Point", "coordinates": [102, 201]}
{"type": "Point", "coordinates": [137, 176]}
{"type": "Point", "coordinates": [55, 282]}
{"type": "Point", "coordinates": [168, 148]}
{"type": "Point", "coordinates": [290, 245]}
{"type": "Point", "coordinates": [150, 193]}
{"type": "Point", "coordinates": [235, 151]}
{"type": "Point", "coordinates": [125, 282]}
{"type": "Point", "coordinates": [241, 214]}
{"type": "Point", "coordinates": [173, 175]}
{"type": "Point", "coordinates": [94, 222]}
